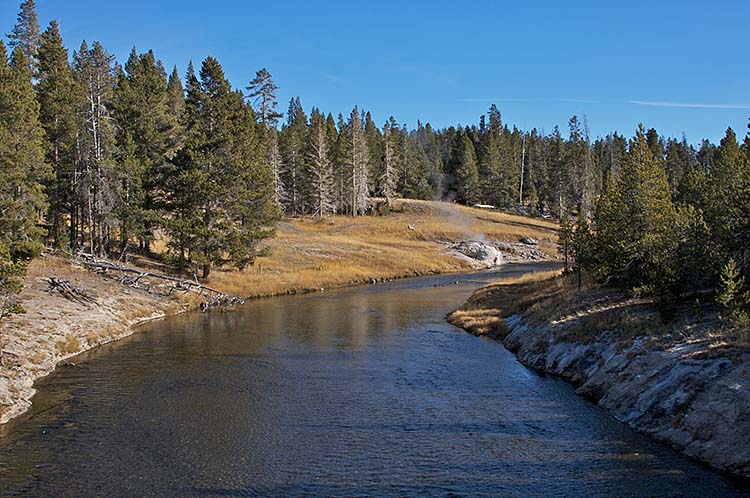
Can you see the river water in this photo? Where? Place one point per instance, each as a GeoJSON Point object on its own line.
{"type": "Point", "coordinates": [355, 392]}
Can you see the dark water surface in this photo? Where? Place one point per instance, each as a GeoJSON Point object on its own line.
{"type": "Point", "coordinates": [364, 392]}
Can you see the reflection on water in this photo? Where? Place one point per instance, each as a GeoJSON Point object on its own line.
{"type": "Point", "coordinates": [355, 392]}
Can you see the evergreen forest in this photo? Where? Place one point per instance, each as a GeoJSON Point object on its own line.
{"type": "Point", "coordinates": [104, 156]}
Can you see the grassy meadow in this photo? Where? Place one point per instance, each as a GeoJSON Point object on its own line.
{"type": "Point", "coordinates": [309, 254]}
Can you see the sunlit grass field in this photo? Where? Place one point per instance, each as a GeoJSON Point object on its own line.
{"type": "Point", "coordinates": [309, 254]}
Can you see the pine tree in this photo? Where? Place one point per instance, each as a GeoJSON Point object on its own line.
{"type": "Point", "coordinates": [58, 97]}
{"type": "Point", "coordinates": [558, 174]}
{"type": "Point", "coordinates": [291, 145]}
{"type": "Point", "coordinates": [706, 156]}
{"type": "Point", "coordinates": [146, 139]}
{"type": "Point", "coordinates": [374, 149]}
{"type": "Point", "coordinates": [332, 135]}
{"type": "Point", "coordinates": [175, 95]}
{"type": "Point", "coordinates": [494, 184]}
{"type": "Point", "coordinates": [22, 167]}
{"type": "Point", "coordinates": [418, 185]}
{"type": "Point", "coordinates": [577, 161]}
{"type": "Point", "coordinates": [263, 91]}
{"type": "Point", "coordinates": [414, 177]}
{"type": "Point", "coordinates": [22, 174]}
{"type": "Point", "coordinates": [536, 171]}
{"type": "Point", "coordinates": [339, 165]}
{"type": "Point", "coordinates": [390, 159]}
{"type": "Point", "coordinates": [406, 163]}
{"type": "Point", "coordinates": [251, 207]}
{"type": "Point", "coordinates": [634, 222]}
{"type": "Point", "coordinates": [182, 203]}
{"type": "Point", "coordinates": [26, 33]}
{"type": "Point", "coordinates": [428, 143]}
{"type": "Point", "coordinates": [221, 195]}
{"type": "Point", "coordinates": [176, 104]}
{"type": "Point", "coordinates": [679, 159]}
{"type": "Point", "coordinates": [733, 296]}
{"type": "Point", "coordinates": [464, 167]}
{"type": "Point", "coordinates": [726, 201]}
{"type": "Point", "coordinates": [656, 144]}
{"type": "Point", "coordinates": [356, 167]}
{"type": "Point", "coordinates": [319, 164]}
{"type": "Point", "coordinates": [692, 257]}
{"type": "Point", "coordinates": [95, 180]}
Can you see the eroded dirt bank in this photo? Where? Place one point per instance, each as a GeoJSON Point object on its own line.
{"type": "Point", "coordinates": [686, 383]}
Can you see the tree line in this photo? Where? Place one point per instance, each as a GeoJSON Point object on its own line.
{"type": "Point", "coordinates": [99, 157]}
{"type": "Point", "coordinates": [673, 233]}
{"type": "Point", "coordinates": [104, 158]}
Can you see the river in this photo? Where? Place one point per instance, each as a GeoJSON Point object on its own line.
{"type": "Point", "coordinates": [354, 392]}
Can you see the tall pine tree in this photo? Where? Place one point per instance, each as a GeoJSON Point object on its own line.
{"type": "Point", "coordinates": [58, 97]}
{"type": "Point", "coordinates": [221, 194]}
{"type": "Point", "coordinates": [319, 165]}
{"type": "Point", "coordinates": [25, 33]}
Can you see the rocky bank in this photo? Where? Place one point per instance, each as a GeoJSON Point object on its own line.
{"type": "Point", "coordinates": [698, 404]}
{"type": "Point", "coordinates": [686, 384]}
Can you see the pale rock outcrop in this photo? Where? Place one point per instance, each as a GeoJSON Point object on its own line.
{"type": "Point", "coordinates": [694, 402]}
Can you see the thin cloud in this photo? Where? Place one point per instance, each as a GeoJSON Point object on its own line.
{"type": "Point", "coordinates": [506, 99]}
{"type": "Point", "coordinates": [488, 101]}
{"type": "Point", "coordinates": [687, 105]}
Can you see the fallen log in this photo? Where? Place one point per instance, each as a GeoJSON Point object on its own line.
{"type": "Point", "coordinates": [212, 298]}
{"type": "Point", "coordinates": [69, 292]}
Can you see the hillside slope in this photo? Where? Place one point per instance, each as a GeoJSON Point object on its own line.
{"type": "Point", "coordinates": [414, 239]}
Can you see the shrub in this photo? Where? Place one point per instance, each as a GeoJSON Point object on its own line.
{"type": "Point", "coordinates": [732, 295]}
{"type": "Point", "coordinates": [10, 283]}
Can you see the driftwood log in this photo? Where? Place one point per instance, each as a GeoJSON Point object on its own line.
{"type": "Point", "coordinates": [140, 279]}
{"type": "Point", "coordinates": [69, 292]}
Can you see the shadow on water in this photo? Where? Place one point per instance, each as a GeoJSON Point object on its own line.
{"type": "Point", "coordinates": [363, 391]}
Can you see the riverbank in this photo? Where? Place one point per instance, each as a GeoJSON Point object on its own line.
{"type": "Point", "coordinates": [54, 328]}
{"type": "Point", "coordinates": [306, 255]}
{"type": "Point", "coordinates": [329, 394]}
{"type": "Point", "coordinates": [686, 383]}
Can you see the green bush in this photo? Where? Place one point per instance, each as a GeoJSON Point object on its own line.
{"type": "Point", "coordinates": [733, 296]}
{"type": "Point", "coordinates": [10, 283]}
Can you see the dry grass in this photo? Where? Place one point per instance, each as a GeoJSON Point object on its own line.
{"type": "Point", "coordinates": [579, 314]}
{"type": "Point", "coordinates": [516, 295]}
{"type": "Point", "coordinates": [728, 339]}
{"type": "Point", "coordinates": [483, 313]}
{"type": "Point", "coordinates": [309, 254]}
{"type": "Point", "coordinates": [480, 322]}
{"type": "Point", "coordinates": [587, 314]}
{"type": "Point", "coordinates": [69, 345]}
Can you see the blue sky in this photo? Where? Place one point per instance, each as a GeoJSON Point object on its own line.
{"type": "Point", "coordinates": [674, 65]}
